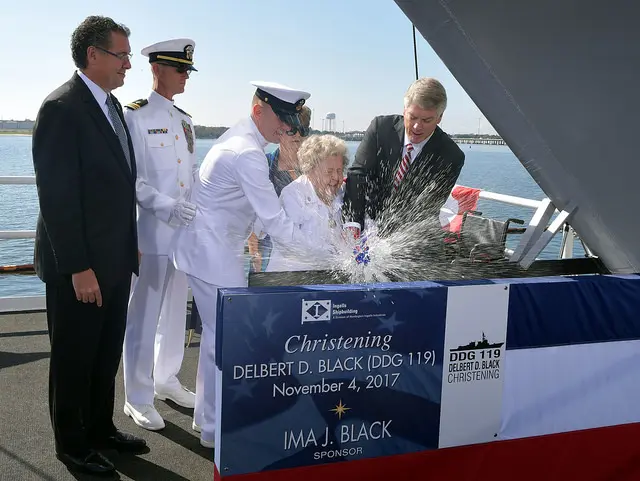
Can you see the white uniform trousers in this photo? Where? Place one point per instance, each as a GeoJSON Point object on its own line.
{"type": "Point", "coordinates": [155, 336]}
{"type": "Point", "coordinates": [206, 297]}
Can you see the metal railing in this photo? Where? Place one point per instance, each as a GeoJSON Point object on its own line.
{"type": "Point", "coordinates": [510, 199]}
{"type": "Point", "coordinates": [566, 250]}
{"type": "Point", "coordinates": [37, 303]}
{"type": "Point", "coordinates": [17, 180]}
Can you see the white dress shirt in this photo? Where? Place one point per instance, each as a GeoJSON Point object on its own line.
{"type": "Point", "coordinates": [417, 148]}
{"type": "Point", "coordinates": [99, 94]}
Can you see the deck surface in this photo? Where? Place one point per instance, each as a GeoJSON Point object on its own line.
{"type": "Point", "coordinates": [26, 438]}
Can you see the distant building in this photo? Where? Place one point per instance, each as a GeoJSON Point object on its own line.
{"type": "Point", "coordinates": [16, 125]}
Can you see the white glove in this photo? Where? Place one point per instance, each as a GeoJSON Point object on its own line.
{"type": "Point", "coordinates": [183, 212]}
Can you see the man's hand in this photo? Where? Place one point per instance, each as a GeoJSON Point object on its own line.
{"type": "Point", "coordinates": [86, 286]}
{"type": "Point", "coordinates": [139, 258]}
{"type": "Point", "coordinates": [351, 232]}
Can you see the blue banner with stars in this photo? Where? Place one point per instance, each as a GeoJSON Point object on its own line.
{"type": "Point", "coordinates": [311, 376]}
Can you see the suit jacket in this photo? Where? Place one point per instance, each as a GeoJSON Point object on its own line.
{"type": "Point", "coordinates": [86, 190]}
{"type": "Point", "coordinates": [428, 183]}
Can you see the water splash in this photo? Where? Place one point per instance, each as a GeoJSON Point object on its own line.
{"type": "Point", "coordinates": [408, 253]}
{"type": "Point", "coordinates": [406, 240]}
{"type": "Point", "coordinates": [405, 243]}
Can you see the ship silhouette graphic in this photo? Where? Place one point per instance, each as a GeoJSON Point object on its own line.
{"type": "Point", "coordinates": [477, 345]}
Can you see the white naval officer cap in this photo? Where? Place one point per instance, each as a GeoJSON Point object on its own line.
{"type": "Point", "coordinates": [286, 102]}
{"type": "Point", "coordinates": [177, 52]}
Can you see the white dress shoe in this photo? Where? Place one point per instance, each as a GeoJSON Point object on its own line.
{"type": "Point", "coordinates": [207, 444]}
{"type": "Point", "coordinates": [181, 396]}
{"type": "Point", "coordinates": [144, 415]}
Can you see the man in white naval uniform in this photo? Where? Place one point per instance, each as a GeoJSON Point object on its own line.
{"type": "Point", "coordinates": [164, 142]}
{"type": "Point", "coordinates": [232, 191]}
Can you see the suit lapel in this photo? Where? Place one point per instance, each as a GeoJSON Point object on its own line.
{"type": "Point", "coordinates": [394, 147]}
{"type": "Point", "coordinates": [424, 160]}
{"type": "Point", "coordinates": [104, 126]}
{"type": "Point", "coordinates": [398, 144]}
{"type": "Point", "coordinates": [399, 128]}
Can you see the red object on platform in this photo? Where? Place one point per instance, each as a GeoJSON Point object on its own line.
{"type": "Point", "coordinates": [461, 200]}
{"type": "Point", "coordinates": [602, 454]}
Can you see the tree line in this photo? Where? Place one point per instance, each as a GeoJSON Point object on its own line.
{"type": "Point", "coordinates": [204, 132]}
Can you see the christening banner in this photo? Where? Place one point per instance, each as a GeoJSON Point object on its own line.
{"type": "Point", "coordinates": [344, 382]}
{"type": "Point", "coordinates": [310, 376]}
{"type": "Point", "coordinates": [313, 377]}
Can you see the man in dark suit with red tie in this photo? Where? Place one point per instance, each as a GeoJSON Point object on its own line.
{"type": "Point", "coordinates": [86, 247]}
{"type": "Point", "coordinates": [406, 166]}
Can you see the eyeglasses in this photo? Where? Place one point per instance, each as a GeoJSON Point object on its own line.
{"type": "Point", "coordinates": [304, 131]}
{"type": "Point", "coordinates": [123, 57]}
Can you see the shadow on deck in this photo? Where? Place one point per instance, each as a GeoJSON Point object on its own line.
{"type": "Point", "coordinates": [26, 438]}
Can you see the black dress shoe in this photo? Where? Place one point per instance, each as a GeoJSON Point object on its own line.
{"type": "Point", "coordinates": [123, 443]}
{"type": "Point", "coordinates": [91, 462]}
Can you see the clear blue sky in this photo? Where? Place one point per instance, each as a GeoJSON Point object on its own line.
{"type": "Point", "coordinates": [354, 56]}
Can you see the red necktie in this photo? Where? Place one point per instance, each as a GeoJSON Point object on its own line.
{"type": "Point", "coordinates": [404, 167]}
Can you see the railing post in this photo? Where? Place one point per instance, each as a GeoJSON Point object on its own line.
{"type": "Point", "coordinates": [568, 236]}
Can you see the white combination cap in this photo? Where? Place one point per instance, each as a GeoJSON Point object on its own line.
{"type": "Point", "coordinates": [177, 52]}
{"type": "Point", "coordinates": [286, 102]}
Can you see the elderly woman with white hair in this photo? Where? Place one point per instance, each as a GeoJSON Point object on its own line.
{"type": "Point", "coordinates": [314, 201]}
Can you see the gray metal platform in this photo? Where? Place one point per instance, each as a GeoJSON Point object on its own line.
{"type": "Point", "coordinates": [26, 438]}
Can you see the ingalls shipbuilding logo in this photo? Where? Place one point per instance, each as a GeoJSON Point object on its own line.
{"type": "Point", "coordinates": [316, 311]}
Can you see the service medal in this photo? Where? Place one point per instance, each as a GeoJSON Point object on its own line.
{"type": "Point", "coordinates": [188, 133]}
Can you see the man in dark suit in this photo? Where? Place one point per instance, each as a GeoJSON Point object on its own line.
{"type": "Point", "coordinates": [86, 246]}
{"type": "Point", "coordinates": [405, 167]}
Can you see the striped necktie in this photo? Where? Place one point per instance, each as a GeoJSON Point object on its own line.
{"type": "Point", "coordinates": [119, 128]}
{"type": "Point", "coordinates": [404, 167]}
